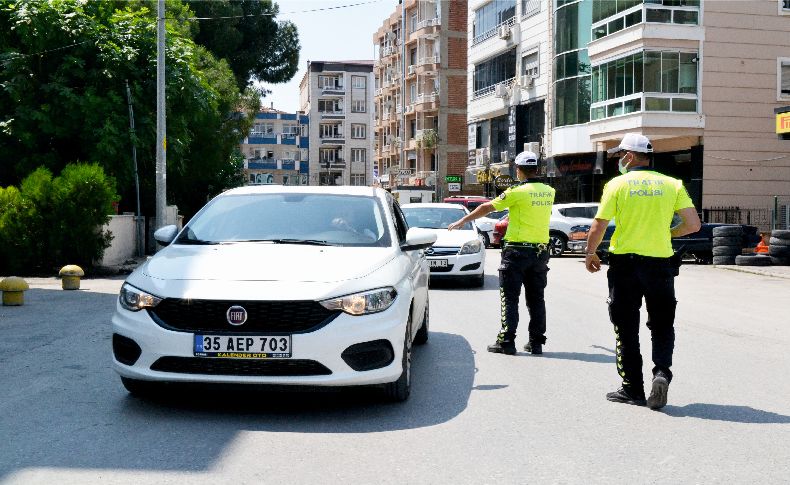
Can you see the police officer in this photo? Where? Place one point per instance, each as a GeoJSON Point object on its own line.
{"type": "Point", "coordinates": [641, 264]}
{"type": "Point", "coordinates": [524, 254]}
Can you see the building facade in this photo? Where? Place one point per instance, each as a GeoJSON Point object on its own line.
{"type": "Point", "coordinates": [338, 99]}
{"type": "Point", "coordinates": [700, 78]}
{"type": "Point", "coordinates": [420, 97]}
{"type": "Point", "coordinates": [276, 149]}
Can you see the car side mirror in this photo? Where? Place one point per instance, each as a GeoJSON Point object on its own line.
{"type": "Point", "coordinates": [165, 235]}
{"type": "Point", "coordinates": [417, 238]}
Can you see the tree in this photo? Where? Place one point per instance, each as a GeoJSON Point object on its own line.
{"type": "Point", "coordinates": [255, 44]}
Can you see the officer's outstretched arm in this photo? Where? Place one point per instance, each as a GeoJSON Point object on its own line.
{"type": "Point", "coordinates": [690, 222]}
{"type": "Point", "coordinates": [594, 238]}
{"type": "Point", "coordinates": [479, 212]}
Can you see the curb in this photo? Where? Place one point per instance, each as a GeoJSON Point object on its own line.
{"type": "Point", "coordinates": [753, 270]}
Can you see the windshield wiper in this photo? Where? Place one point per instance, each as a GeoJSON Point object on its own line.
{"type": "Point", "coordinates": [312, 242]}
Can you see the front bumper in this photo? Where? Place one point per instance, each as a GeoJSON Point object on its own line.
{"type": "Point", "coordinates": [324, 346]}
{"type": "Point", "coordinates": [577, 246]}
{"type": "Point", "coordinates": [459, 265]}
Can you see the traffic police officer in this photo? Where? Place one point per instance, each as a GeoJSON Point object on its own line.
{"type": "Point", "coordinates": [524, 254]}
{"type": "Point", "coordinates": [641, 264]}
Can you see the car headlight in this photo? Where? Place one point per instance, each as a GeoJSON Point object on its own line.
{"type": "Point", "coordinates": [135, 300]}
{"type": "Point", "coordinates": [372, 301]}
{"type": "Point", "coordinates": [471, 247]}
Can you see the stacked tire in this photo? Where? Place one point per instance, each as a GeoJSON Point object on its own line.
{"type": "Point", "coordinates": [779, 247]}
{"type": "Point", "coordinates": [727, 244]}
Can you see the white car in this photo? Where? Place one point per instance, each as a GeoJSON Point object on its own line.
{"type": "Point", "coordinates": [486, 225]}
{"type": "Point", "coordinates": [456, 254]}
{"type": "Point", "coordinates": [563, 218]}
{"type": "Point", "coordinates": [286, 285]}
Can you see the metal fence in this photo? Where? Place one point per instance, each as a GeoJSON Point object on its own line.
{"type": "Point", "coordinates": [765, 218]}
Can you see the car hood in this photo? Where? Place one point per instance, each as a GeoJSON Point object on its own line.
{"type": "Point", "coordinates": [452, 239]}
{"type": "Point", "coordinates": [266, 262]}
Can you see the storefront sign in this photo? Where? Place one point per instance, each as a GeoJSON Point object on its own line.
{"type": "Point", "coordinates": [511, 134]}
{"type": "Point", "coordinates": [454, 187]}
{"type": "Point", "coordinates": [504, 181]}
{"type": "Point", "coordinates": [783, 123]}
{"type": "Point", "coordinates": [453, 179]}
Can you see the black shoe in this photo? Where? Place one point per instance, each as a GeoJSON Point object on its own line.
{"type": "Point", "coordinates": [508, 348]}
{"type": "Point", "coordinates": [533, 348]}
{"type": "Point", "coordinates": [625, 397]}
{"type": "Point", "coordinates": [658, 393]}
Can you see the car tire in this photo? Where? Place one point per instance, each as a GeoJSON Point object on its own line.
{"type": "Point", "coordinates": [727, 241]}
{"type": "Point", "coordinates": [486, 240]}
{"type": "Point", "coordinates": [421, 337]}
{"type": "Point", "coordinates": [753, 260]}
{"type": "Point", "coordinates": [724, 260]}
{"type": "Point", "coordinates": [727, 231]}
{"type": "Point", "coordinates": [399, 390]}
{"type": "Point", "coordinates": [558, 244]}
{"type": "Point", "coordinates": [775, 241]}
{"type": "Point", "coordinates": [780, 261]}
{"type": "Point", "coordinates": [478, 281]}
{"type": "Point", "coordinates": [139, 388]}
{"type": "Point", "coordinates": [779, 251]}
{"type": "Point", "coordinates": [726, 250]}
{"type": "Point", "coordinates": [781, 234]}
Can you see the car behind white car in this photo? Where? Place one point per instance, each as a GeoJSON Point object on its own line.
{"type": "Point", "coordinates": [456, 254]}
{"type": "Point", "coordinates": [279, 285]}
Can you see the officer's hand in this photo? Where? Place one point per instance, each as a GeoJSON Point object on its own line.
{"type": "Point", "coordinates": [592, 262]}
{"type": "Point", "coordinates": [455, 225]}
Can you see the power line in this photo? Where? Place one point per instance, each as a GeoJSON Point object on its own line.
{"type": "Point", "coordinates": [271, 14]}
{"type": "Point", "coordinates": [22, 56]}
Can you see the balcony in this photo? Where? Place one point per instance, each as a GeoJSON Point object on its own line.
{"type": "Point", "coordinates": [337, 163]}
{"type": "Point", "coordinates": [333, 115]}
{"type": "Point", "coordinates": [500, 89]}
{"type": "Point", "coordinates": [504, 31]}
{"type": "Point", "coordinates": [333, 91]}
{"type": "Point", "coordinates": [426, 27]}
{"type": "Point", "coordinates": [333, 139]}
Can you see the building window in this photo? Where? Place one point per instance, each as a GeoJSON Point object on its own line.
{"type": "Point", "coordinates": [262, 129]}
{"type": "Point", "coordinates": [358, 179]}
{"type": "Point", "coordinates": [530, 7]}
{"type": "Point", "coordinates": [572, 22]}
{"type": "Point", "coordinates": [331, 130]}
{"type": "Point", "coordinates": [330, 82]}
{"type": "Point", "coordinates": [500, 69]}
{"type": "Point", "coordinates": [610, 16]}
{"type": "Point", "coordinates": [413, 21]}
{"type": "Point", "coordinates": [329, 106]}
{"type": "Point", "coordinates": [645, 81]}
{"type": "Point", "coordinates": [304, 130]}
{"type": "Point", "coordinates": [358, 82]}
{"type": "Point", "coordinates": [785, 6]}
{"type": "Point", "coordinates": [290, 131]}
{"type": "Point", "coordinates": [358, 106]}
{"type": "Point", "coordinates": [357, 130]}
{"type": "Point", "coordinates": [329, 155]}
{"type": "Point", "coordinates": [783, 70]}
{"type": "Point", "coordinates": [359, 155]}
{"type": "Point", "coordinates": [489, 17]}
{"type": "Point", "coordinates": [530, 65]}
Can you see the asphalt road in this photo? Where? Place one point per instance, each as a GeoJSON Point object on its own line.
{"type": "Point", "coordinates": [473, 417]}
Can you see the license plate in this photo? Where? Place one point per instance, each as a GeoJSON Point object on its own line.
{"type": "Point", "coordinates": [437, 263]}
{"type": "Point", "coordinates": [243, 346]}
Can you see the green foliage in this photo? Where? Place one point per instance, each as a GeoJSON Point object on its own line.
{"type": "Point", "coordinates": [70, 104]}
{"type": "Point", "coordinates": [53, 222]}
{"type": "Point", "coordinates": [428, 139]}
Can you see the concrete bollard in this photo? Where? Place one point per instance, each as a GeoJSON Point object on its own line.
{"type": "Point", "coordinates": [71, 275]}
{"type": "Point", "coordinates": [13, 289]}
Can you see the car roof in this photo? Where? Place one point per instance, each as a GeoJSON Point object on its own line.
{"type": "Point", "coordinates": [436, 205]}
{"type": "Point", "coordinates": [306, 189]}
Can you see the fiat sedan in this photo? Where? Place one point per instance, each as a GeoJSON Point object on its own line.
{"type": "Point", "coordinates": [319, 286]}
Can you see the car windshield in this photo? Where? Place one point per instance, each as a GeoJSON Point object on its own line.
{"type": "Point", "coordinates": [497, 214]}
{"type": "Point", "coordinates": [434, 217]}
{"type": "Point", "coordinates": [292, 218]}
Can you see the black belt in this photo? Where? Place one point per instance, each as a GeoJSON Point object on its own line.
{"type": "Point", "coordinates": [538, 246]}
{"type": "Point", "coordinates": [637, 257]}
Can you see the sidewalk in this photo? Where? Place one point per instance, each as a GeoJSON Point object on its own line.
{"type": "Point", "coordinates": [774, 271]}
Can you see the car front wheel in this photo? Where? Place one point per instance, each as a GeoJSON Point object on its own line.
{"type": "Point", "coordinates": [399, 390]}
{"type": "Point", "coordinates": [557, 245]}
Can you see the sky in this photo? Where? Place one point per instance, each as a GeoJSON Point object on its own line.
{"type": "Point", "coordinates": [329, 35]}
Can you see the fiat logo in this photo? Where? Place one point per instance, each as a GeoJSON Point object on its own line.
{"type": "Point", "coordinates": [236, 315]}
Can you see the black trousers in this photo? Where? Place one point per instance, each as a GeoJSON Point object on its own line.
{"type": "Point", "coordinates": [525, 267]}
{"type": "Point", "coordinates": [631, 278]}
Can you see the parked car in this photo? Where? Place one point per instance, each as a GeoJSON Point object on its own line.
{"type": "Point", "coordinates": [289, 285]}
{"type": "Point", "coordinates": [456, 254]}
{"type": "Point", "coordinates": [486, 225]}
{"type": "Point", "coordinates": [563, 218]}
{"type": "Point", "coordinates": [471, 202]}
{"type": "Point", "coordinates": [698, 245]}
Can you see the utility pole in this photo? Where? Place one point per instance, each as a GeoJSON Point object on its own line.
{"type": "Point", "coordinates": [138, 216]}
{"type": "Point", "coordinates": [161, 138]}
{"type": "Point", "coordinates": [402, 163]}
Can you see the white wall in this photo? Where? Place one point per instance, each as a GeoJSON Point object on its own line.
{"type": "Point", "coordinates": [123, 245]}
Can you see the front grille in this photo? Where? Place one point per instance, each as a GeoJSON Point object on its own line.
{"type": "Point", "coordinates": [262, 316]}
{"type": "Point", "coordinates": [446, 269]}
{"type": "Point", "coordinates": [240, 367]}
{"type": "Point", "coordinates": [434, 251]}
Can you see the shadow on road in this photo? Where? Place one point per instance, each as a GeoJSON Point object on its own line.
{"type": "Point", "coordinates": [725, 412]}
{"type": "Point", "coordinates": [580, 356]}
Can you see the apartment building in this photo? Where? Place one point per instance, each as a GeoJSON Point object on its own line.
{"type": "Point", "coordinates": [338, 97]}
{"type": "Point", "coordinates": [701, 78]}
{"type": "Point", "coordinates": [276, 149]}
{"type": "Point", "coordinates": [420, 97]}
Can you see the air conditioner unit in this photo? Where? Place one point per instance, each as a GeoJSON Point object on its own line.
{"type": "Point", "coordinates": [390, 35]}
{"type": "Point", "coordinates": [501, 91]}
{"type": "Point", "coordinates": [527, 80]}
{"type": "Point", "coordinates": [504, 32]}
{"type": "Point", "coordinates": [412, 69]}
{"type": "Point", "coordinates": [533, 147]}
{"type": "Point", "coordinates": [504, 157]}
